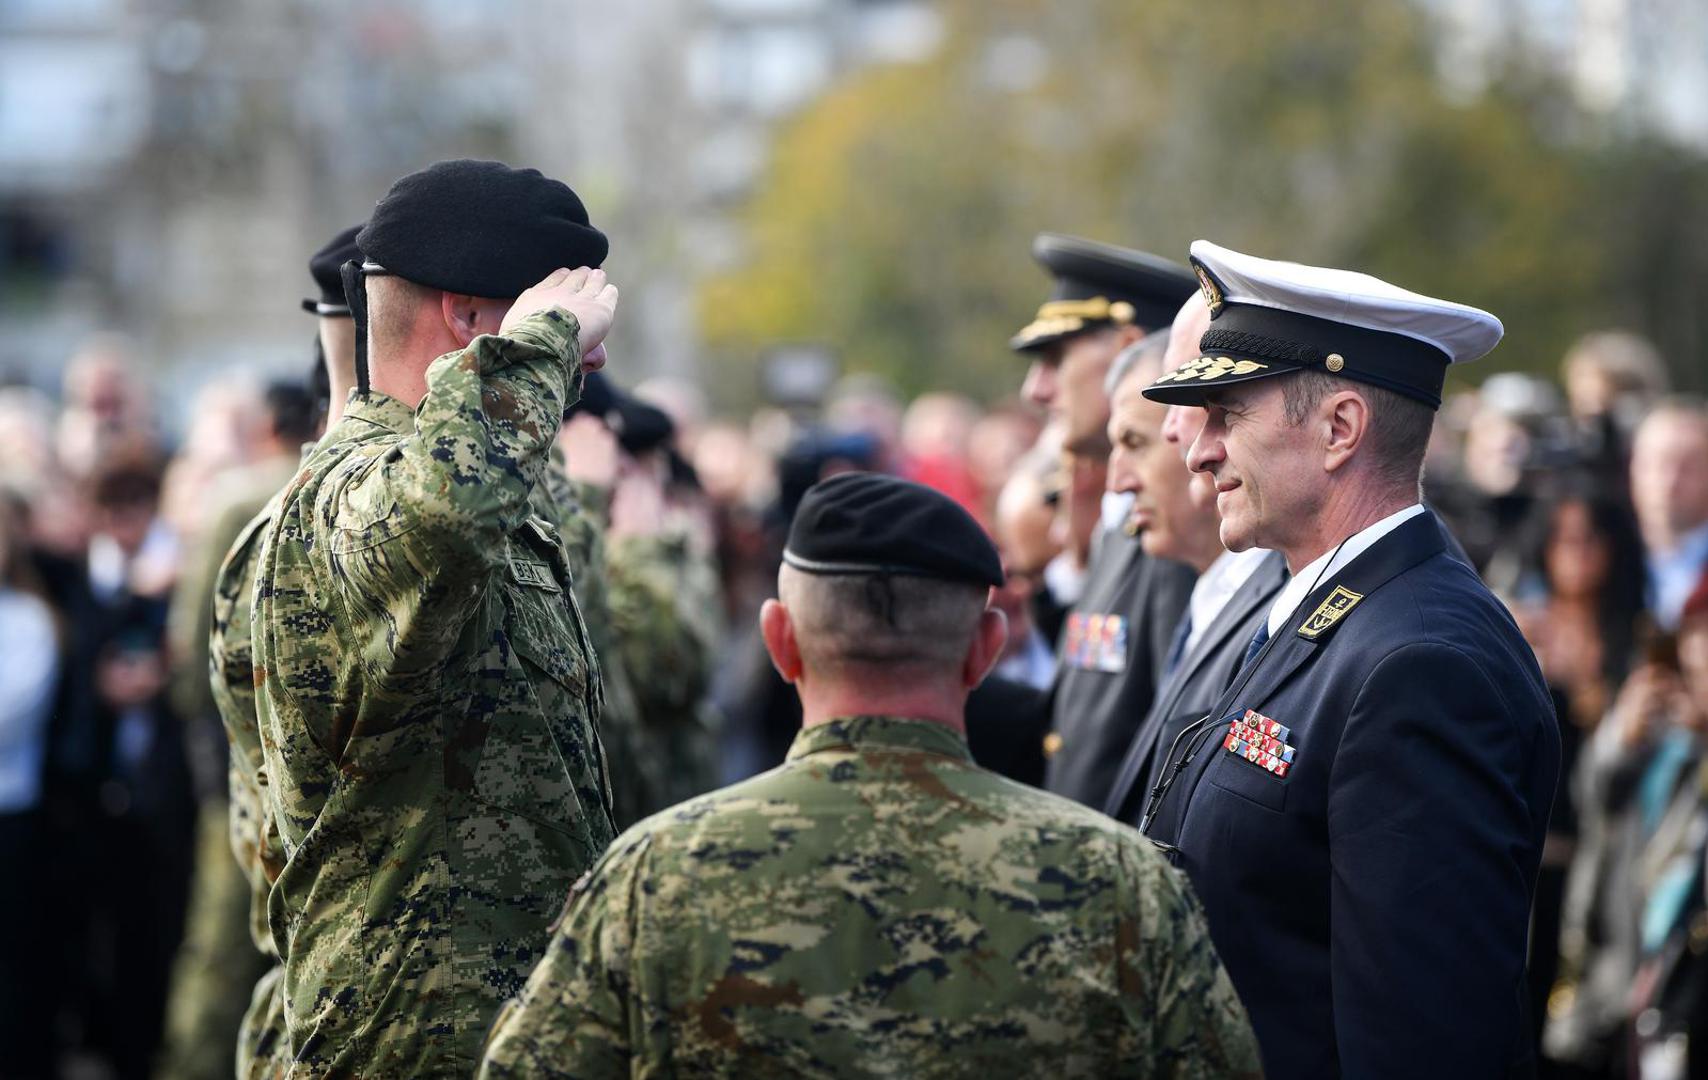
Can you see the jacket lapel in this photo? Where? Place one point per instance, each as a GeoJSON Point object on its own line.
{"type": "Point", "coordinates": [1258, 589]}
{"type": "Point", "coordinates": [1299, 640]}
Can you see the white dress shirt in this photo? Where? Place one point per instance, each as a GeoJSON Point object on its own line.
{"type": "Point", "coordinates": [1216, 586]}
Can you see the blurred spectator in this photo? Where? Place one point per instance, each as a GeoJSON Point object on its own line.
{"type": "Point", "coordinates": [1635, 920]}
{"type": "Point", "coordinates": [120, 795]}
{"type": "Point", "coordinates": [683, 401]}
{"type": "Point", "coordinates": [28, 676]}
{"type": "Point", "coordinates": [1023, 531]}
{"type": "Point", "coordinates": [999, 439]}
{"type": "Point", "coordinates": [1030, 542]}
{"type": "Point", "coordinates": [738, 484]}
{"type": "Point", "coordinates": [1612, 379]}
{"type": "Point", "coordinates": [104, 404]}
{"type": "Point", "coordinates": [1583, 627]}
{"type": "Point", "coordinates": [935, 433]}
{"type": "Point", "coordinates": [1512, 439]}
{"type": "Point", "coordinates": [867, 405]}
{"type": "Point", "coordinates": [229, 428]}
{"type": "Point", "coordinates": [1669, 487]}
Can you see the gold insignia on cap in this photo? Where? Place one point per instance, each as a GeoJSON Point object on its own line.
{"type": "Point", "coordinates": [1052, 744]}
{"type": "Point", "coordinates": [1329, 612]}
{"type": "Point", "coordinates": [1212, 291]}
{"type": "Point", "coordinates": [1058, 317]}
{"type": "Point", "coordinates": [1211, 368]}
{"type": "Point", "coordinates": [1335, 361]}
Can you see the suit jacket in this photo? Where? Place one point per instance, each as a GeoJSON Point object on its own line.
{"type": "Point", "coordinates": [1111, 652]}
{"type": "Point", "coordinates": [1191, 691]}
{"type": "Point", "coordinates": [1006, 725]}
{"type": "Point", "coordinates": [1366, 845]}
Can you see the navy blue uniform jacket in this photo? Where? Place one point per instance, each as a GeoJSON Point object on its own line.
{"type": "Point", "coordinates": [1372, 904]}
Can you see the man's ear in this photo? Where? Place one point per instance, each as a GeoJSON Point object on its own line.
{"type": "Point", "coordinates": [986, 648]}
{"type": "Point", "coordinates": [1346, 420]}
{"type": "Point", "coordinates": [778, 630]}
{"type": "Point", "coordinates": [462, 317]}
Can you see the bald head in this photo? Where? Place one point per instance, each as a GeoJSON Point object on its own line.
{"type": "Point", "coordinates": [1189, 325]}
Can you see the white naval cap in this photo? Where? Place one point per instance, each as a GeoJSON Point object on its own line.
{"type": "Point", "coordinates": [1271, 318]}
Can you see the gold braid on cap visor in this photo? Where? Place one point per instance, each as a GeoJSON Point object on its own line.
{"type": "Point", "coordinates": [1068, 316]}
{"type": "Point", "coordinates": [1211, 368]}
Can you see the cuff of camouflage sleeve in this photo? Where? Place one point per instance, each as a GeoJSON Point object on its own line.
{"type": "Point", "coordinates": [554, 330]}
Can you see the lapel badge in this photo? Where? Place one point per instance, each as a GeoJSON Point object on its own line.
{"type": "Point", "coordinates": [1329, 612]}
{"type": "Point", "coordinates": [1262, 742]}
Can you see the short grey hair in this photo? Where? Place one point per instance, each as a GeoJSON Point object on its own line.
{"type": "Point", "coordinates": [1399, 425]}
{"type": "Point", "coordinates": [1145, 350]}
{"type": "Point", "coordinates": [889, 620]}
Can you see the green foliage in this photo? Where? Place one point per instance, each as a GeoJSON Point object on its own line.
{"type": "Point", "coordinates": [895, 219]}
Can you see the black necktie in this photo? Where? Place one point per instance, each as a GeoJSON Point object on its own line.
{"type": "Point", "coordinates": [1256, 646]}
{"type": "Point", "coordinates": [1177, 647]}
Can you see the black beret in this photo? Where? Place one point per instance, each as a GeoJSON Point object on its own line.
{"type": "Point", "coordinates": [598, 397]}
{"type": "Point", "coordinates": [1102, 285]}
{"type": "Point", "coordinates": [324, 265]}
{"type": "Point", "coordinates": [639, 427]}
{"type": "Point", "coordinates": [866, 523]}
{"type": "Point", "coordinates": [480, 228]}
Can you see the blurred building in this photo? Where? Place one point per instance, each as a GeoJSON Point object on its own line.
{"type": "Point", "coordinates": [166, 166]}
{"type": "Point", "coordinates": [1641, 63]}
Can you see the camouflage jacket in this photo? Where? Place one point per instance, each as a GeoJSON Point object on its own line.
{"type": "Point", "coordinates": [254, 839]}
{"type": "Point", "coordinates": [878, 905]}
{"type": "Point", "coordinates": [660, 607]}
{"type": "Point", "coordinates": [255, 842]}
{"type": "Point", "coordinates": [427, 702]}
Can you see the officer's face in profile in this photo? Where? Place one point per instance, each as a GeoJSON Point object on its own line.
{"type": "Point", "coordinates": [1267, 472]}
{"type": "Point", "coordinates": [1145, 465]}
{"type": "Point", "coordinates": [1179, 428]}
{"type": "Point", "coordinates": [1067, 379]}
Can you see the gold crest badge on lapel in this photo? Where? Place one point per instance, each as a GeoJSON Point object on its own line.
{"type": "Point", "coordinates": [1329, 612]}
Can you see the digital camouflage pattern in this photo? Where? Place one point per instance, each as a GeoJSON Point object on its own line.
{"type": "Point", "coordinates": [427, 701]}
{"type": "Point", "coordinates": [226, 946]}
{"type": "Point", "coordinates": [664, 641]}
{"type": "Point", "coordinates": [878, 905]}
{"type": "Point", "coordinates": [262, 1047]}
{"type": "Point", "coordinates": [581, 517]}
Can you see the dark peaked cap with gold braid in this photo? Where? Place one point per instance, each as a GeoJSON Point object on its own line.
{"type": "Point", "coordinates": [1271, 318]}
{"type": "Point", "coordinates": [1101, 285]}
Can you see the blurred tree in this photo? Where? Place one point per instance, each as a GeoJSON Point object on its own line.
{"type": "Point", "coordinates": [895, 218]}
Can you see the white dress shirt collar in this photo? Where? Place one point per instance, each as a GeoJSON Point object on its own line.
{"type": "Point", "coordinates": [1305, 582]}
{"type": "Point", "coordinates": [1217, 585]}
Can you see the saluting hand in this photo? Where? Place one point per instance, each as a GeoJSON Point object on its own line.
{"type": "Point", "coordinates": [582, 292]}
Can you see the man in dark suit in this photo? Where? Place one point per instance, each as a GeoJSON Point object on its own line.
{"type": "Point", "coordinates": [1115, 637]}
{"type": "Point", "coordinates": [1174, 513]}
{"type": "Point", "coordinates": [1362, 812]}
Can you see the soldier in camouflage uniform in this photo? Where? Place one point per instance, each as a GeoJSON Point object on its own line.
{"type": "Point", "coordinates": [425, 689]}
{"type": "Point", "coordinates": [263, 1050]}
{"type": "Point", "coordinates": [216, 967]}
{"type": "Point", "coordinates": [879, 905]}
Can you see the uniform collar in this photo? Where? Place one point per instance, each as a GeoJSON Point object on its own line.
{"type": "Point", "coordinates": [381, 410]}
{"type": "Point", "coordinates": [1330, 562]}
{"type": "Point", "coordinates": [880, 733]}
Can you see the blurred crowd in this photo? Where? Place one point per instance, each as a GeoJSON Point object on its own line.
{"type": "Point", "coordinates": [1583, 503]}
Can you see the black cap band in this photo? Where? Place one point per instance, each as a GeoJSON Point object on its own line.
{"type": "Point", "coordinates": [1249, 341]}
{"type": "Point", "coordinates": [356, 292]}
